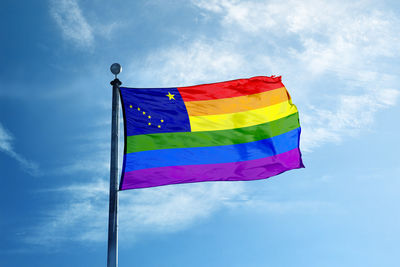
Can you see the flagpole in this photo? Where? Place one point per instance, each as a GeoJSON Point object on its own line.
{"type": "Point", "coordinates": [112, 255]}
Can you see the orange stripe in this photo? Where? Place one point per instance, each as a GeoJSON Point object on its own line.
{"type": "Point", "coordinates": [237, 104]}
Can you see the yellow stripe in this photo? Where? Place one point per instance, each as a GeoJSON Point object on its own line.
{"type": "Point", "coordinates": [242, 119]}
{"type": "Point", "coordinates": [237, 104]}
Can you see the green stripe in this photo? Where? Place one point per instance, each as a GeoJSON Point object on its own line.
{"type": "Point", "coordinates": [136, 143]}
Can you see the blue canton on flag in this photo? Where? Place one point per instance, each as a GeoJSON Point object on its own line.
{"type": "Point", "coordinates": [158, 110]}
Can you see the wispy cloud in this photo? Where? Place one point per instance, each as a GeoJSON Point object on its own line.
{"type": "Point", "coordinates": [6, 145]}
{"type": "Point", "coordinates": [76, 27]}
{"type": "Point", "coordinates": [83, 217]}
{"type": "Point", "coordinates": [197, 61]}
{"type": "Point", "coordinates": [172, 208]}
{"type": "Point", "coordinates": [69, 17]}
{"type": "Point", "coordinates": [353, 114]}
{"type": "Point", "coordinates": [334, 58]}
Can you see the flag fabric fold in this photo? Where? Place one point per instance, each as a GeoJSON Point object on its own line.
{"type": "Point", "coordinates": [245, 129]}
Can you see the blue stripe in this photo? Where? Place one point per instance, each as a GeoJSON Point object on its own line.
{"type": "Point", "coordinates": [212, 155]}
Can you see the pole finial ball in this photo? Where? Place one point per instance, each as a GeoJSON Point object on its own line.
{"type": "Point", "coordinates": [116, 68]}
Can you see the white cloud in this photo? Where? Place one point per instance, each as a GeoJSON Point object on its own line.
{"type": "Point", "coordinates": [163, 209]}
{"type": "Point", "coordinates": [5, 139]}
{"type": "Point", "coordinates": [76, 27]}
{"type": "Point", "coordinates": [68, 16]}
{"type": "Point", "coordinates": [93, 164]}
{"type": "Point", "coordinates": [172, 208]}
{"type": "Point", "coordinates": [344, 45]}
{"type": "Point", "coordinates": [352, 115]}
{"type": "Point", "coordinates": [199, 61]}
{"type": "Point", "coordinates": [6, 145]}
{"type": "Point", "coordinates": [83, 216]}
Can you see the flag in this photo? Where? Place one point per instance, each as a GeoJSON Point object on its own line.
{"type": "Point", "coordinates": [245, 129]}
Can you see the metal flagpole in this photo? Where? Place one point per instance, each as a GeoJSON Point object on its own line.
{"type": "Point", "coordinates": [112, 255]}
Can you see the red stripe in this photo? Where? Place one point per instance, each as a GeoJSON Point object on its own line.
{"type": "Point", "coordinates": [229, 89]}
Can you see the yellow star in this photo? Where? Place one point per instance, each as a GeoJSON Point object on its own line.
{"type": "Point", "coordinates": [170, 96]}
{"type": "Point", "coordinates": [138, 109]}
{"type": "Point", "coordinates": [162, 120]}
{"type": "Point", "coordinates": [159, 126]}
{"type": "Point", "coordinates": [149, 123]}
{"type": "Point", "coordinates": [149, 117]}
{"type": "Point", "coordinates": [144, 112]}
{"type": "Point", "coordinates": [130, 106]}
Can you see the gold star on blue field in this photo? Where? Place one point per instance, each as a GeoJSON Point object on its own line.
{"type": "Point", "coordinates": [170, 96]}
{"type": "Point", "coordinates": [154, 110]}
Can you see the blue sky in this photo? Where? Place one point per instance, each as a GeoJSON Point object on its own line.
{"type": "Point", "coordinates": [338, 59]}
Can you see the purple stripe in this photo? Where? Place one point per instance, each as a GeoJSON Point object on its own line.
{"type": "Point", "coordinates": [235, 171]}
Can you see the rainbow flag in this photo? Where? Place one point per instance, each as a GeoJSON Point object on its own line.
{"type": "Point", "coordinates": [244, 129]}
